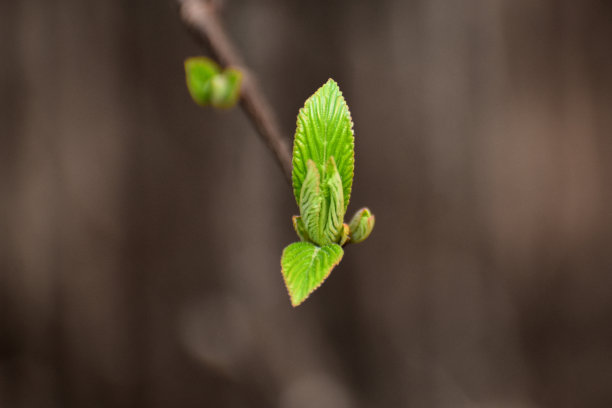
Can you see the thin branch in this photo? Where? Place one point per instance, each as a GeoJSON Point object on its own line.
{"type": "Point", "coordinates": [202, 20]}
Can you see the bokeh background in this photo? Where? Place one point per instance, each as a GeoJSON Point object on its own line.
{"type": "Point", "coordinates": [140, 235]}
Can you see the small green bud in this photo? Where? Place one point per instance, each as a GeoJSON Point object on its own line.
{"type": "Point", "coordinates": [361, 225]}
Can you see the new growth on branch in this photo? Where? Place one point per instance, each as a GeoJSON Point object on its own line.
{"type": "Point", "coordinates": [321, 168]}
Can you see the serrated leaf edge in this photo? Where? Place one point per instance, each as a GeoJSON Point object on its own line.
{"type": "Point", "coordinates": [294, 304]}
{"type": "Point", "coordinates": [349, 189]}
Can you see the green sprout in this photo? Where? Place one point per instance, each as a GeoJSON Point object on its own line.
{"type": "Point", "coordinates": [323, 164]}
{"type": "Point", "coordinates": [208, 85]}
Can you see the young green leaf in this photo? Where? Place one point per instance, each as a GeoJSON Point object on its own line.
{"type": "Point", "coordinates": [199, 71]}
{"type": "Point", "coordinates": [305, 266]}
{"type": "Point", "coordinates": [334, 203]}
{"type": "Point", "coordinates": [311, 200]}
{"type": "Point", "coordinates": [324, 129]}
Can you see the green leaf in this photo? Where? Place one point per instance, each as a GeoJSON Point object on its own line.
{"type": "Point", "coordinates": [324, 129]}
{"type": "Point", "coordinates": [198, 72]}
{"type": "Point", "coordinates": [305, 266]}
{"type": "Point", "coordinates": [361, 225]}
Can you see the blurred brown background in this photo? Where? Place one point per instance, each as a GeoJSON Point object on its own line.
{"type": "Point", "coordinates": [140, 235]}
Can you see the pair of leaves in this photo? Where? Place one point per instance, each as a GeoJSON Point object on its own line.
{"type": "Point", "coordinates": [323, 166]}
{"type": "Point", "coordinates": [208, 85]}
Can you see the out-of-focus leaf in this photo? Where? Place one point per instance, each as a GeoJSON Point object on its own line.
{"type": "Point", "coordinates": [199, 71]}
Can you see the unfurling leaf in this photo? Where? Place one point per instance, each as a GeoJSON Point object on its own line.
{"type": "Point", "coordinates": [334, 202]}
{"type": "Point", "coordinates": [361, 225]}
{"type": "Point", "coordinates": [311, 200]}
{"type": "Point", "coordinates": [322, 204]}
{"type": "Point", "coordinates": [305, 266]}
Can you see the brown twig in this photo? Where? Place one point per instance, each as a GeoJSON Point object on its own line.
{"type": "Point", "coordinates": [202, 20]}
